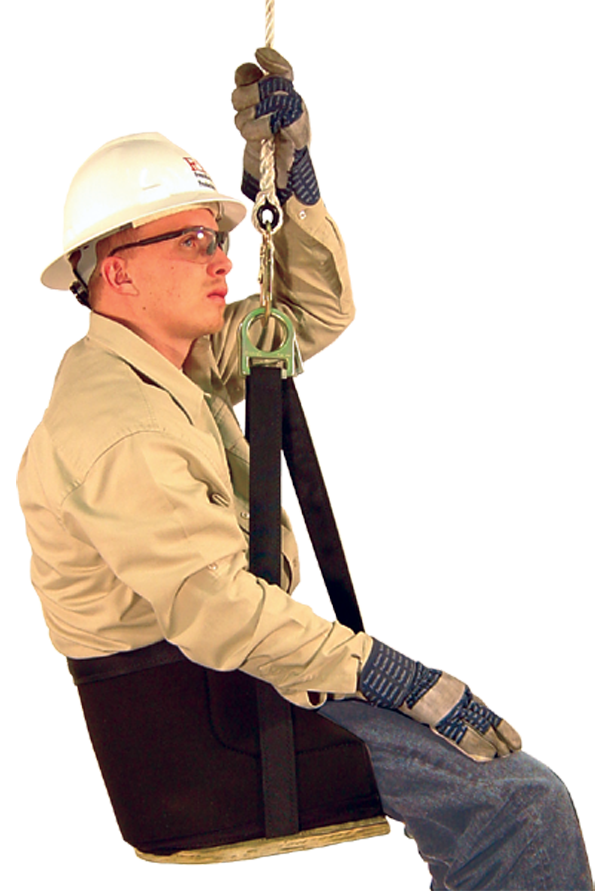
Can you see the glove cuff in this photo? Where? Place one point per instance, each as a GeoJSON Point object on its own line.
{"type": "Point", "coordinates": [302, 179]}
{"type": "Point", "coordinates": [423, 680]}
{"type": "Point", "coordinates": [250, 186]}
{"type": "Point", "coordinates": [387, 676]}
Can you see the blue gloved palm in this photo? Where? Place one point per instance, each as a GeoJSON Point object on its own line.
{"type": "Point", "coordinates": [392, 680]}
{"type": "Point", "coordinates": [267, 105]}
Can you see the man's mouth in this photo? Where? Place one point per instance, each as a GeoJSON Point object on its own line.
{"type": "Point", "coordinates": [218, 294]}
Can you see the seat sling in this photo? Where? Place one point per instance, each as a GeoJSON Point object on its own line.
{"type": "Point", "coordinates": [206, 766]}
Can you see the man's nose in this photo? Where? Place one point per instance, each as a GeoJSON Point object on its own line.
{"type": "Point", "coordinates": [219, 263]}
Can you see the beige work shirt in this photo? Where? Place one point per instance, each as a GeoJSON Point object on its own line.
{"type": "Point", "coordinates": [135, 493]}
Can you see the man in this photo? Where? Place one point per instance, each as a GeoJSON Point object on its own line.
{"type": "Point", "coordinates": [134, 489]}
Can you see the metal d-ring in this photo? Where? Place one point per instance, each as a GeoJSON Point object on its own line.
{"type": "Point", "coordinates": [286, 356]}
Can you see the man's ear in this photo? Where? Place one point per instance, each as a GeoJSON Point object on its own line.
{"type": "Point", "coordinates": [114, 272]}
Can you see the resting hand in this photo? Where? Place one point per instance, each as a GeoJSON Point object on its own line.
{"type": "Point", "coordinates": [391, 680]}
{"type": "Point", "coordinates": [267, 105]}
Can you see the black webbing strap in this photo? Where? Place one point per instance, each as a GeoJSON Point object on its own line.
{"type": "Point", "coordinates": [275, 421]}
{"type": "Point", "coordinates": [314, 501]}
{"type": "Point", "coordinates": [264, 432]}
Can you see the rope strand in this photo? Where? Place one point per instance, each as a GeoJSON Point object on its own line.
{"type": "Point", "coordinates": [267, 154]}
{"type": "Point", "coordinates": [267, 214]}
{"type": "Point", "coordinates": [267, 151]}
{"type": "Point", "coordinates": [269, 22]}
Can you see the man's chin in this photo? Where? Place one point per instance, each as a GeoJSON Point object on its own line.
{"type": "Point", "coordinates": [212, 326]}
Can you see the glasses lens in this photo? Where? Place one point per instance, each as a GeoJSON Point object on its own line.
{"type": "Point", "coordinates": [207, 241]}
{"type": "Point", "coordinates": [222, 241]}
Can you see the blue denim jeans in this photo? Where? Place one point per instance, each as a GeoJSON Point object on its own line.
{"type": "Point", "coordinates": [502, 825]}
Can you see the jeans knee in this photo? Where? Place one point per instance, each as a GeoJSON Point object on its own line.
{"type": "Point", "coordinates": [548, 798]}
{"type": "Point", "coordinates": [524, 834]}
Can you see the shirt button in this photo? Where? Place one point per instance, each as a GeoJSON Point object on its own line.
{"type": "Point", "coordinates": [245, 515]}
{"type": "Point", "coordinates": [213, 566]}
{"type": "Point", "coordinates": [302, 214]}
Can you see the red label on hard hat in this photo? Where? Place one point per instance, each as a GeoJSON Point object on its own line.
{"type": "Point", "coordinates": [201, 174]}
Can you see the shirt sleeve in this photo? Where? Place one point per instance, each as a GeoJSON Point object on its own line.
{"type": "Point", "coordinates": [174, 540]}
{"type": "Point", "coordinates": [312, 285]}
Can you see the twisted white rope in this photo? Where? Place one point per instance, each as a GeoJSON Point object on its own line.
{"type": "Point", "coordinates": [270, 22]}
{"type": "Point", "coordinates": [268, 191]}
{"type": "Point", "coordinates": [267, 187]}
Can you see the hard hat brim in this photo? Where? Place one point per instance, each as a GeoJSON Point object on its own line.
{"type": "Point", "coordinates": [58, 275]}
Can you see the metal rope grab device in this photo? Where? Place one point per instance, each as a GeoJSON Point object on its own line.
{"type": "Point", "coordinates": [267, 217]}
{"type": "Point", "coordinates": [275, 422]}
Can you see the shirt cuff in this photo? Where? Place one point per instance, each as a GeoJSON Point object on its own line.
{"type": "Point", "coordinates": [313, 221]}
{"type": "Point", "coordinates": [309, 217]}
{"type": "Point", "coordinates": [314, 699]}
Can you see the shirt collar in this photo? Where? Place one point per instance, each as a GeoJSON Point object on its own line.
{"type": "Point", "coordinates": [116, 338]}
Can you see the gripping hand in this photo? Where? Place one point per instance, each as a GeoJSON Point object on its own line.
{"type": "Point", "coordinates": [391, 680]}
{"type": "Point", "coordinates": [268, 106]}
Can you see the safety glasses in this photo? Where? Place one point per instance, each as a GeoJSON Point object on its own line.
{"type": "Point", "coordinates": [197, 242]}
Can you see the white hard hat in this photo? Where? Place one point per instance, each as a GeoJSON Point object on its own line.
{"type": "Point", "coordinates": [131, 181]}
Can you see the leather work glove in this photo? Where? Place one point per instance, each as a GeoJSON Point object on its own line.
{"type": "Point", "coordinates": [267, 105]}
{"type": "Point", "coordinates": [391, 680]}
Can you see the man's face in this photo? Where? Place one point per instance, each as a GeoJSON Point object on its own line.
{"type": "Point", "coordinates": [181, 295]}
